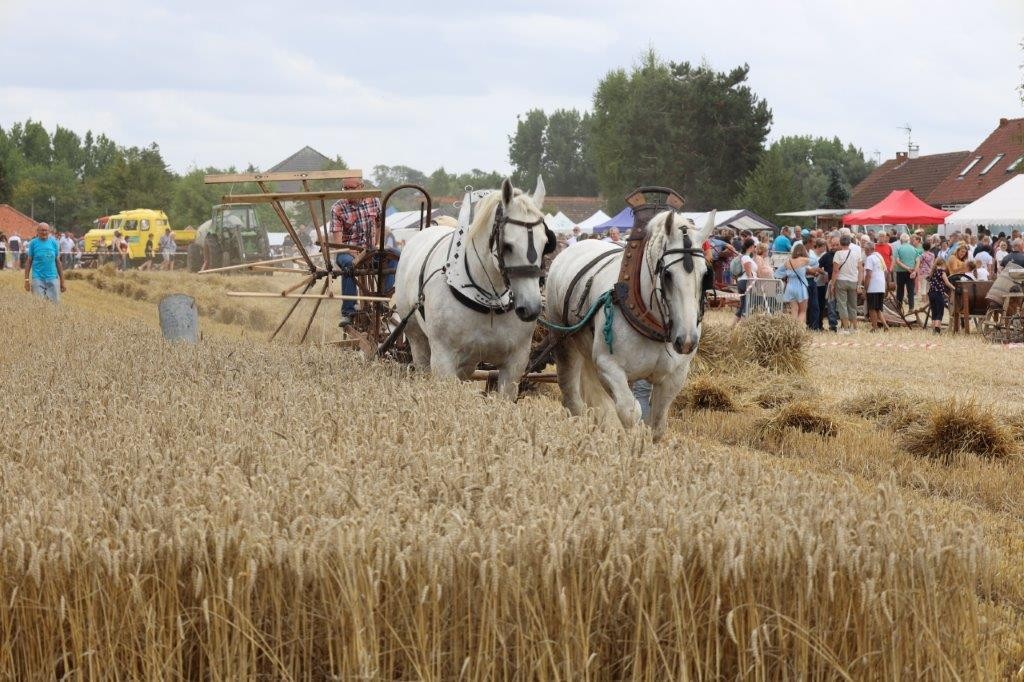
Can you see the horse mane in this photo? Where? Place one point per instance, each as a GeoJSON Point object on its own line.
{"type": "Point", "coordinates": [486, 208]}
{"type": "Point", "coordinates": [657, 236]}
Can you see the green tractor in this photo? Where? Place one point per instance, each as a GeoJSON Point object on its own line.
{"type": "Point", "coordinates": [232, 236]}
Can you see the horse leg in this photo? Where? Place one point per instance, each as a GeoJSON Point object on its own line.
{"type": "Point", "coordinates": [511, 372]}
{"type": "Point", "coordinates": [662, 395]}
{"type": "Point", "coordinates": [569, 363]}
{"type": "Point", "coordinates": [419, 345]}
{"type": "Point", "coordinates": [615, 381]}
{"type": "Point", "coordinates": [444, 363]}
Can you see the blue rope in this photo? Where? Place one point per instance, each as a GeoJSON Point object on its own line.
{"type": "Point", "coordinates": [605, 300]}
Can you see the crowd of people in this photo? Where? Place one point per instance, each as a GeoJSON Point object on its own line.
{"type": "Point", "coordinates": [824, 274]}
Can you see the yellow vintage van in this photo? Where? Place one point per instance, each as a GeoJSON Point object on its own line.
{"type": "Point", "coordinates": [136, 225]}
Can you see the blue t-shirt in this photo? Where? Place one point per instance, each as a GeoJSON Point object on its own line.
{"type": "Point", "coordinates": [43, 253]}
{"type": "Point", "coordinates": [782, 244]}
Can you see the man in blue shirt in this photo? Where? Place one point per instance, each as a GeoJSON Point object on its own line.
{"type": "Point", "coordinates": [44, 274]}
{"type": "Point", "coordinates": [782, 243]}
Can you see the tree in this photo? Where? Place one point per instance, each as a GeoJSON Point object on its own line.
{"type": "Point", "coordinates": [526, 147]}
{"type": "Point", "coordinates": [192, 200]}
{"type": "Point", "coordinates": [809, 160]}
{"type": "Point", "coordinates": [557, 147]}
{"type": "Point", "coordinates": [691, 128]}
{"type": "Point", "coordinates": [67, 150]}
{"type": "Point", "coordinates": [836, 195]}
{"type": "Point", "coordinates": [770, 188]}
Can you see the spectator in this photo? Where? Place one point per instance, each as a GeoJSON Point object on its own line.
{"type": "Point", "coordinates": [353, 230]}
{"type": "Point", "coordinates": [847, 273]}
{"type": "Point", "coordinates": [14, 249]}
{"type": "Point", "coordinates": [827, 303]}
{"type": "Point", "coordinates": [44, 275]}
{"type": "Point", "coordinates": [614, 237]}
{"type": "Point", "coordinates": [884, 249]}
{"type": "Point", "coordinates": [764, 264]}
{"type": "Point", "coordinates": [939, 287]}
{"type": "Point", "coordinates": [168, 247]}
{"type": "Point", "coordinates": [814, 306]}
{"type": "Point", "coordinates": [794, 271]}
{"type": "Point", "coordinates": [67, 245]}
{"type": "Point", "coordinates": [3, 251]}
{"type": "Point", "coordinates": [121, 251]}
{"type": "Point", "coordinates": [874, 286]}
{"type": "Point", "coordinates": [904, 264]}
{"type": "Point", "coordinates": [924, 268]}
{"type": "Point", "coordinates": [749, 273]}
{"type": "Point", "coordinates": [956, 264]}
{"type": "Point", "coordinates": [148, 254]}
{"type": "Point", "coordinates": [1016, 254]}
{"type": "Point", "coordinates": [782, 243]}
{"type": "Point", "coordinates": [576, 234]}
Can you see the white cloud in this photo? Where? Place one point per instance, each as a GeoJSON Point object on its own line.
{"type": "Point", "coordinates": [441, 84]}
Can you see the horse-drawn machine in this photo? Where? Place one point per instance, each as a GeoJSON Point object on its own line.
{"type": "Point", "coordinates": [465, 302]}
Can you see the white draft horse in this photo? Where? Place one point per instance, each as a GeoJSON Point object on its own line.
{"type": "Point", "coordinates": [591, 373]}
{"type": "Point", "coordinates": [490, 312]}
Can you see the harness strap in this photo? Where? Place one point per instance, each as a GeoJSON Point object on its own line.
{"type": "Point", "coordinates": [579, 275]}
{"type": "Point", "coordinates": [424, 279]}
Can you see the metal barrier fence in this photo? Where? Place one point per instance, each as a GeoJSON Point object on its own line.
{"type": "Point", "coordinates": [765, 296]}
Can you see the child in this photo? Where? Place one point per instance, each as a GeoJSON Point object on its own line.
{"type": "Point", "coordinates": [939, 287]}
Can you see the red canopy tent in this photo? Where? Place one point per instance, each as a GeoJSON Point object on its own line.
{"type": "Point", "coordinates": [900, 207]}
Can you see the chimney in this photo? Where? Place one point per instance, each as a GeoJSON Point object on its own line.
{"type": "Point", "coordinates": [901, 157]}
{"type": "Point", "coordinates": [913, 151]}
{"type": "Point", "coordinates": [1003, 121]}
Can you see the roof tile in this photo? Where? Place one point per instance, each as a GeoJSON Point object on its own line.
{"type": "Point", "coordinates": [1007, 139]}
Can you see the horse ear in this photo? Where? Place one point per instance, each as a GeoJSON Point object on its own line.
{"type": "Point", "coordinates": [506, 191]}
{"type": "Point", "coordinates": [669, 223]}
{"type": "Point", "coordinates": [709, 226]}
{"type": "Point", "coordinates": [539, 194]}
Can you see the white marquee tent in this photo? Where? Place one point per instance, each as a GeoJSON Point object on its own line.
{"type": "Point", "coordinates": [1003, 207]}
{"type": "Point", "coordinates": [587, 226]}
{"type": "Point", "coordinates": [560, 224]}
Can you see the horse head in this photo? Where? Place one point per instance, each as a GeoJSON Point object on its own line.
{"type": "Point", "coordinates": [675, 249]}
{"type": "Point", "coordinates": [519, 241]}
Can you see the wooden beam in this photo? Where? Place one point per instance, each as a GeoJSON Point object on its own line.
{"type": "Point", "coordinates": [293, 176]}
{"type": "Point", "coordinates": [331, 295]}
{"type": "Point", "coordinates": [271, 197]}
{"type": "Point", "coordinates": [248, 266]}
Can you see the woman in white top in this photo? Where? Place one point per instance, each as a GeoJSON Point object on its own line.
{"type": "Point", "coordinates": [874, 286]}
{"type": "Point", "coordinates": [749, 274]}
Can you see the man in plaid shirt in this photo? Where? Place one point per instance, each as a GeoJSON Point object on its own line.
{"type": "Point", "coordinates": [353, 229]}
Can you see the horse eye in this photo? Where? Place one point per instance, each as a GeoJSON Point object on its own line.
{"type": "Point", "coordinates": [508, 248]}
{"type": "Point", "coordinates": [668, 276]}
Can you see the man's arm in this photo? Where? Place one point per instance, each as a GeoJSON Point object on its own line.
{"type": "Point", "coordinates": [60, 275]}
{"type": "Point", "coordinates": [28, 269]}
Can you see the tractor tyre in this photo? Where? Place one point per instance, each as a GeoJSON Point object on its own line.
{"type": "Point", "coordinates": [214, 257]}
{"type": "Point", "coordinates": [195, 257]}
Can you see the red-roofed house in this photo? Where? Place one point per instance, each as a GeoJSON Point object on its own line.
{"type": "Point", "coordinates": [997, 160]}
{"type": "Point", "coordinates": [14, 222]}
{"type": "Point", "coordinates": [919, 174]}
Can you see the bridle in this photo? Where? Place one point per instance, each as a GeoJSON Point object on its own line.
{"type": "Point", "coordinates": [534, 267]}
{"type": "Point", "coordinates": [661, 271]}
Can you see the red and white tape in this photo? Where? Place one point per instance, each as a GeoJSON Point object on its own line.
{"type": "Point", "coordinates": [901, 346]}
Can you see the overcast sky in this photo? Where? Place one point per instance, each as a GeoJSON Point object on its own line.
{"type": "Point", "coordinates": [440, 83]}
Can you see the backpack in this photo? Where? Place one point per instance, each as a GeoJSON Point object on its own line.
{"type": "Point", "coordinates": [736, 266]}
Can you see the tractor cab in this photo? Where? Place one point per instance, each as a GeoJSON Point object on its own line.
{"type": "Point", "coordinates": [233, 236]}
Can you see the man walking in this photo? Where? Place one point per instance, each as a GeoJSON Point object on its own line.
{"type": "Point", "coordinates": [168, 247]}
{"type": "Point", "coordinates": [847, 273]}
{"type": "Point", "coordinates": [44, 274]}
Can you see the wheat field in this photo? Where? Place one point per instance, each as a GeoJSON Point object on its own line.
{"type": "Point", "coordinates": [245, 510]}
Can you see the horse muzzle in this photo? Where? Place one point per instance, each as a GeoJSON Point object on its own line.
{"type": "Point", "coordinates": [527, 313]}
{"type": "Point", "coordinates": [685, 345]}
